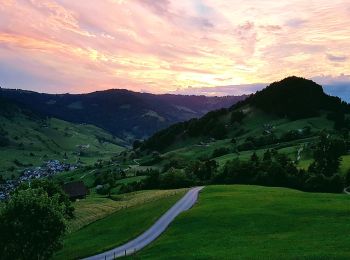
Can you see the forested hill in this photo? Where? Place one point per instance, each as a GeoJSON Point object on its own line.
{"type": "Point", "coordinates": [295, 98]}
{"type": "Point", "coordinates": [126, 114]}
{"type": "Point", "coordinates": [289, 99]}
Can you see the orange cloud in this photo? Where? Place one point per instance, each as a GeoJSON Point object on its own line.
{"type": "Point", "coordinates": [161, 46]}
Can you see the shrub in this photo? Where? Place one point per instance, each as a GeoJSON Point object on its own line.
{"type": "Point", "coordinates": [220, 151]}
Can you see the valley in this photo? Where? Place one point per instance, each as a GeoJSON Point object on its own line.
{"type": "Point", "coordinates": [274, 176]}
{"type": "Point", "coordinates": [188, 129]}
{"type": "Point", "coordinates": [125, 114]}
{"type": "Point", "coordinates": [28, 140]}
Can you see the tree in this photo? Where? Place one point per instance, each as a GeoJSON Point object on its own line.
{"type": "Point", "coordinates": [136, 144]}
{"type": "Point", "coordinates": [175, 179]}
{"type": "Point", "coordinates": [203, 170]}
{"type": "Point", "coordinates": [347, 178]}
{"type": "Point", "coordinates": [31, 225]}
{"type": "Point", "coordinates": [327, 156]}
{"type": "Point", "coordinates": [52, 189]}
{"type": "Point", "coordinates": [4, 141]}
{"type": "Point", "coordinates": [152, 181]}
{"type": "Point", "coordinates": [267, 156]}
{"type": "Point", "coordinates": [237, 116]}
{"type": "Point", "coordinates": [254, 159]}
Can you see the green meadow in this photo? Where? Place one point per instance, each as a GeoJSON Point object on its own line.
{"type": "Point", "coordinates": [252, 222]}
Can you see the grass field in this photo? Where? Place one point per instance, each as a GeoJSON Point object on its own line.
{"type": "Point", "coordinates": [95, 206]}
{"type": "Point", "coordinates": [133, 214]}
{"type": "Point", "coordinates": [252, 222]}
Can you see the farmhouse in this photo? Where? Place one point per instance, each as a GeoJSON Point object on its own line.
{"type": "Point", "coordinates": [76, 190]}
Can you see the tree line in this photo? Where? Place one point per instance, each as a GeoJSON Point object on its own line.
{"type": "Point", "coordinates": [271, 169]}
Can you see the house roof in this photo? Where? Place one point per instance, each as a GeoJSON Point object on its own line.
{"type": "Point", "coordinates": [75, 189]}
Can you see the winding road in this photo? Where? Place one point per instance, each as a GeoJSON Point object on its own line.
{"type": "Point", "coordinates": [185, 203]}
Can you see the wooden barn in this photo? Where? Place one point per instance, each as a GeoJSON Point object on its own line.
{"type": "Point", "coordinates": [76, 190]}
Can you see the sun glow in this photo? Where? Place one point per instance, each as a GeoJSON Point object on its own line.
{"type": "Point", "coordinates": [161, 46]}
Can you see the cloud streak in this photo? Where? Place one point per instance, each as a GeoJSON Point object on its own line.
{"type": "Point", "coordinates": [165, 46]}
{"type": "Point", "coordinates": [335, 86]}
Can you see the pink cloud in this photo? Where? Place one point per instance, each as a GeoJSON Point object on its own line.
{"type": "Point", "coordinates": [160, 46]}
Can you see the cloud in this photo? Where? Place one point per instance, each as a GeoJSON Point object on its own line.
{"type": "Point", "coordinates": [232, 90]}
{"type": "Point", "coordinates": [335, 86]}
{"type": "Point", "coordinates": [161, 46]}
{"type": "Point", "coordinates": [336, 58]}
{"type": "Point", "coordinates": [296, 22]}
{"type": "Point", "coordinates": [332, 80]}
{"type": "Point", "coordinates": [271, 27]}
{"type": "Point", "coordinates": [158, 7]}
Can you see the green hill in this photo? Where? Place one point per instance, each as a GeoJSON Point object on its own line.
{"type": "Point", "coordinates": [251, 222]}
{"type": "Point", "coordinates": [27, 140]}
{"type": "Point", "coordinates": [288, 116]}
{"type": "Point", "coordinates": [282, 126]}
{"type": "Point", "coordinates": [274, 108]}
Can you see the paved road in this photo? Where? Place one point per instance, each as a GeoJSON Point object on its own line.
{"type": "Point", "coordinates": [153, 232]}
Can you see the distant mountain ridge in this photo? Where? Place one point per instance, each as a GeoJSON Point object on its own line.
{"type": "Point", "coordinates": [126, 114]}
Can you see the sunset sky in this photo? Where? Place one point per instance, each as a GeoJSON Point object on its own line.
{"type": "Point", "coordinates": [182, 46]}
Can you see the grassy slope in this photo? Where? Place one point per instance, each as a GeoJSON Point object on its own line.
{"type": "Point", "coordinates": [253, 125]}
{"type": "Point", "coordinates": [40, 143]}
{"type": "Point", "coordinates": [253, 222]}
{"type": "Point", "coordinates": [118, 227]}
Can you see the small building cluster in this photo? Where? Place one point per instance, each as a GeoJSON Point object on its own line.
{"type": "Point", "coordinates": [48, 169]}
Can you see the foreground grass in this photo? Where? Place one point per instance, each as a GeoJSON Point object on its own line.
{"type": "Point", "coordinates": [245, 222]}
{"type": "Point", "coordinates": [118, 227]}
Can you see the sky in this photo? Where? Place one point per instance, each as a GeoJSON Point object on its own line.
{"type": "Point", "coordinates": [212, 47]}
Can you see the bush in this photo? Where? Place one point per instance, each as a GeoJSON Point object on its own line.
{"type": "Point", "coordinates": [220, 151]}
{"type": "Point", "coordinates": [174, 180]}
{"type": "Point", "coordinates": [4, 141]}
{"type": "Point", "coordinates": [321, 183]}
{"type": "Point", "coordinates": [103, 189]}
